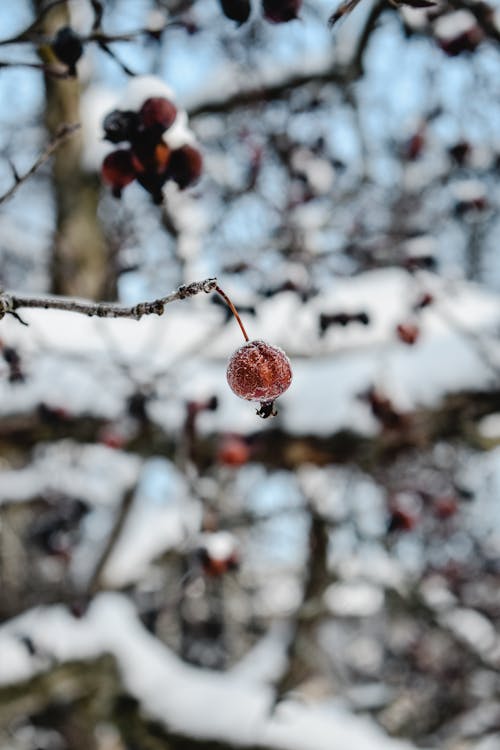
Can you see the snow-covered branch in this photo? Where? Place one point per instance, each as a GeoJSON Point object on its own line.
{"type": "Point", "coordinates": [9, 303]}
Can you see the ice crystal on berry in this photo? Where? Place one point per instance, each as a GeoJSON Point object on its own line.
{"type": "Point", "coordinates": [259, 372]}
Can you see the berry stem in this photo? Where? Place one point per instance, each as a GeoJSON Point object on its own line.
{"type": "Point", "coordinates": [233, 310]}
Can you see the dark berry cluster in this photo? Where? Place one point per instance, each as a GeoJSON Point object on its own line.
{"type": "Point", "coordinates": [148, 158]}
{"type": "Point", "coordinates": [276, 11]}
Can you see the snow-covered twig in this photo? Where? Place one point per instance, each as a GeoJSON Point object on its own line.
{"type": "Point", "coordinates": [9, 303]}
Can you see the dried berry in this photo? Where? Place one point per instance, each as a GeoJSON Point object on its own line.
{"type": "Point", "coordinates": [152, 158]}
{"type": "Point", "coordinates": [281, 11]}
{"type": "Point", "coordinates": [460, 152]}
{"type": "Point", "coordinates": [408, 333]}
{"type": "Point", "coordinates": [236, 10]}
{"type": "Point", "coordinates": [120, 126]}
{"type": "Point", "coordinates": [401, 520]}
{"type": "Point", "coordinates": [233, 451]}
{"type": "Point", "coordinates": [415, 146]}
{"type": "Point", "coordinates": [384, 410]}
{"type": "Point", "coordinates": [423, 301]}
{"type": "Point", "coordinates": [467, 41]}
{"type": "Point", "coordinates": [68, 48]}
{"type": "Point", "coordinates": [218, 553]}
{"type": "Point", "coordinates": [118, 170]}
{"type": "Point", "coordinates": [185, 167]}
{"type": "Point", "coordinates": [157, 115]}
{"type": "Point", "coordinates": [445, 507]}
{"type": "Point", "coordinates": [13, 360]}
{"type": "Point", "coordinates": [259, 372]}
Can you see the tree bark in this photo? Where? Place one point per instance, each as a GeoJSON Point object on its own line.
{"type": "Point", "coordinates": [77, 696]}
{"type": "Point", "coordinates": [80, 256]}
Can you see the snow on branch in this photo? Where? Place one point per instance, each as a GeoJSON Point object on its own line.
{"type": "Point", "coordinates": [9, 303]}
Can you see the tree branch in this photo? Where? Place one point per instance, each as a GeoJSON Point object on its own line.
{"type": "Point", "coordinates": [9, 303]}
{"type": "Point", "coordinates": [302, 653]}
{"type": "Point", "coordinates": [49, 70]}
{"type": "Point", "coordinates": [121, 518]}
{"type": "Point", "coordinates": [64, 132]}
{"type": "Point", "coordinates": [28, 33]}
{"type": "Point", "coordinates": [93, 694]}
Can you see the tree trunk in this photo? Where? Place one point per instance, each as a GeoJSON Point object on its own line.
{"type": "Point", "coordinates": [80, 255]}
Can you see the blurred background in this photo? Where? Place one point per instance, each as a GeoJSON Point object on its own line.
{"type": "Point", "coordinates": [175, 572]}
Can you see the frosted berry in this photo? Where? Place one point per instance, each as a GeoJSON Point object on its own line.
{"type": "Point", "coordinates": [157, 114]}
{"type": "Point", "coordinates": [118, 170]}
{"type": "Point", "coordinates": [68, 48]}
{"type": "Point", "coordinates": [236, 10]}
{"type": "Point", "coordinates": [281, 11]}
{"type": "Point", "coordinates": [259, 372]}
{"type": "Point", "coordinates": [185, 167]}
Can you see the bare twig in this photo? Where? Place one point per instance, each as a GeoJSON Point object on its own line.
{"type": "Point", "coordinates": [49, 70]}
{"type": "Point", "coordinates": [30, 33]}
{"type": "Point", "coordinates": [9, 303]}
{"type": "Point", "coordinates": [105, 48]}
{"type": "Point", "coordinates": [98, 9]}
{"type": "Point", "coordinates": [122, 515]}
{"type": "Point", "coordinates": [64, 132]}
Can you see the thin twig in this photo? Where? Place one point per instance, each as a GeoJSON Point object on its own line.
{"type": "Point", "coordinates": [27, 35]}
{"type": "Point", "coordinates": [9, 303]}
{"type": "Point", "coordinates": [122, 515]}
{"type": "Point", "coordinates": [64, 132]}
{"type": "Point", "coordinates": [105, 48]}
{"type": "Point", "coordinates": [98, 9]}
{"type": "Point", "coordinates": [49, 70]}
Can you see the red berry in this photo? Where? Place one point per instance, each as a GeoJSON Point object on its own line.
{"type": "Point", "coordinates": [445, 507]}
{"type": "Point", "coordinates": [415, 146]}
{"type": "Point", "coordinates": [218, 553]}
{"type": "Point", "coordinates": [408, 333]}
{"type": "Point", "coordinates": [467, 41]}
{"type": "Point", "coordinates": [185, 166]}
{"type": "Point", "coordinates": [118, 170]}
{"type": "Point", "coordinates": [150, 159]}
{"type": "Point", "coordinates": [259, 372]}
{"type": "Point", "coordinates": [111, 437]}
{"type": "Point", "coordinates": [233, 451]}
{"type": "Point", "coordinates": [423, 301]}
{"type": "Point", "coordinates": [401, 520]}
{"type": "Point", "coordinates": [157, 114]}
